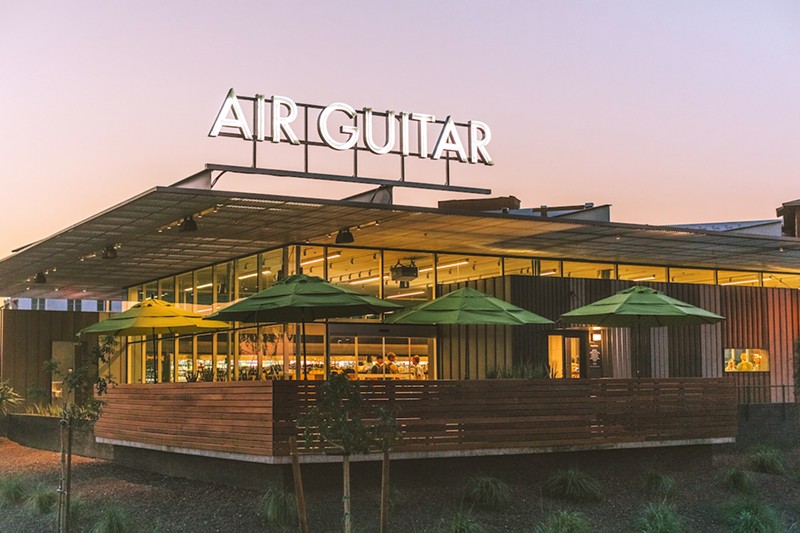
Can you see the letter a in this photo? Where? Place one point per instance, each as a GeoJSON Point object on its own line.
{"type": "Point", "coordinates": [231, 105]}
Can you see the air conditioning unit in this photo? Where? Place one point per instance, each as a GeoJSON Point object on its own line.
{"type": "Point", "coordinates": [404, 273]}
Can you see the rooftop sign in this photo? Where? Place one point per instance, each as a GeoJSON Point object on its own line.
{"type": "Point", "coordinates": [342, 127]}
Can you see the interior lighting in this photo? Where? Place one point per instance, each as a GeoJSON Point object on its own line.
{"type": "Point", "coordinates": [653, 276]}
{"type": "Point", "coordinates": [334, 255]}
{"type": "Point", "coordinates": [254, 274]}
{"type": "Point", "coordinates": [109, 252]}
{"type": "Point", "coordinates": [405, 295]}
{"type": "Point", "coordinates": [446, 265]}
{"type": "Point", "coordinates": [40, 278]}
{"type": "Point", "coordinates": [745, 281]}
{"type": "Point", "coordinates": [344, 237]}
{"type": "Point", "coordinates": [367, 280]}
{"type": "Point", "coordinates": [551, 272]}
{"type": "Point", "coordinates": [188, 224]}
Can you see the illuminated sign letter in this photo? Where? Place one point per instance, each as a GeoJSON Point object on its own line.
{"type": "Point", "coordinates": [370, 142]}
{"type": "Point", "coordinates": [404, 133]}
{"type": "Point", "coordinates": [450, 141]}
{"type": "Point", "coordinates": [477, 147]}
{"type": "Point", "coordinates": [325, 134]}
{"type": "Point", "coordinates": [283, 123]}
{"type": "Point", "coordinates": [422, 135]}
{"type": "Point", "coordinates": [259, 117]}
{"type": "Point", "coordinates": [231, 105]}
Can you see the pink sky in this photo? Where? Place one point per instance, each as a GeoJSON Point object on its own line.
{"type": "Point", "coordinates": [672, 112]}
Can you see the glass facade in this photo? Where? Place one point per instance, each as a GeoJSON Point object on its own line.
{"type": "Point", "coordinates": [407, 277]}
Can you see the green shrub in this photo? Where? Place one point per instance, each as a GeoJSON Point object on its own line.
{"type": "Point", "coordinates": [42, 499]}
{"type": "Point", "coordinates": [565, 522]}
{"type": "Point", "coordinates": [658, 484]}
{"type": "Point", "coordinates": [737, 480]}
{"type": "Point", "coordinates": [47, 409]}
{"type": "Point", "coordinates": [659, 518]}
{"type": "Point", "coordinates": [112, 520]}
{"type": "Point", "coordinates": [572, 484]}
{"type": "Point", "coordinates": [768, 460]}
{"type": "Point", "coordinates": [12, 490]}
{"type": "Point", "coordinates": [78, 511]}
{"type": "Point", "coordinates": [488, 493]}
{"type": "Point", "coordinates": [462, 522]}
{"type": "Point", "coordinates": [278, 507]}
{"type": "Point", "coordinates": [750, 515]}
{"type": "Point", "coordinates": [8, 397]}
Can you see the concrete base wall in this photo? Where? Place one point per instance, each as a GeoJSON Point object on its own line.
{"type": "Point", "coordinates": [776, 424]}
{"type": "Point", "coordinates": [42, 432]}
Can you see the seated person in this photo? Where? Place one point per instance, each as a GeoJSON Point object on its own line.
{"type": "Point", "coordinates": [745, 365]}
{"type": "Point", "coordinates": [391, 366]}
{"type": "Point", "coordinates": [378, 367]}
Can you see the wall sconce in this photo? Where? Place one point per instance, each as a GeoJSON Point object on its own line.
{"type": "Point", "coordinates": [596, 336]}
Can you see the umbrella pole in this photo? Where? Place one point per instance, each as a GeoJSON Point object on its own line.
{"type": "Point", "coordinates": [305, 367]}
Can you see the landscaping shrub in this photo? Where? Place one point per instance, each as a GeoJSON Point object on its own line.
{"type": "Point", "coordinates": [750, 515]}
{"type": "Point", "coordinates": [768, 460]}
{"type": "Point", "coordinates": [42, 499]}
{"type": "Point", "coordinates": [278, 507]}
{"type": "Point", "coordinates": [12, 490]}
{"type": "Point", "coordinates": [659, 518]}
{"type": "Point", "coordinates": [565, 522]}
{"type": "Point", "coordinates": [658, 484]}
{"type": "Point", "coordinates": [572, 484]}
{"type": "Point", "coordinates": [462, 522]}
{"type": "Point", "coordinates": [488, 493]}
{"type": "Point", "coordinates": [737, 480]}
{"type": "Point", "coordinates": [112, 520]}
{"type": "Point", "coordinates": [78, 511]}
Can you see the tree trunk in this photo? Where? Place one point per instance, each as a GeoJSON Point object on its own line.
{"type": "Point", "coordinates": [348, 527]}
{"type": "Point", "coordinates": [68, 478]}
{"type": "Point", "coordinates": [385, 492]}
{"type": "Point", "coordinates": [298, 487]}
{"type": "Point", "coordinates": [61, 481]}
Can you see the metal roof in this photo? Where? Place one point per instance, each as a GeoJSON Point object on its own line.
{"type": "Point", "coordinates": [236, 224]}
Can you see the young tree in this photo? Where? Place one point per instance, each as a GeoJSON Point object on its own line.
{"type": "Point", "coordinates": [80, 407]}
{"type": "Point", "coordinates": [342, 419]}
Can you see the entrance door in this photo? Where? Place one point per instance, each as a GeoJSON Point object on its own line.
{"type": "Point", "coordinates": [565, 355]}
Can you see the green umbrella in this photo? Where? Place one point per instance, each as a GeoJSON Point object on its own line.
{"type": "Point", "coordinates": [640, 307]}
{"type": "Point", "coordinates": [302, 298]}
{"type": "Point", "coordinates": [153, 317]}
{"type": "Point", "coordinates": [466, 306]}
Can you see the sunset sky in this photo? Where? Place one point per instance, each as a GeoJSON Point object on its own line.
{"type": "Point", "coordinates": [673, 112]}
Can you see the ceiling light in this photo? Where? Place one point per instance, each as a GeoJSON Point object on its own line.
{"type": "Point", "coordinates": [652, 276]}
{"type": "Point", "coordinates": [344, 236]}
{"type": "Point", "coordinates": [40, 278]}
{"type": "Point", "coordinates": [188, 224]}
{"type": "Point", "coordinates": [367, 280]}
{"type": "Point", "coordinates": [109, 252]}
{"type": "Point", "coordinates": [445, 265]}
{"type": "Point", "coordinates": [405, 295]}
{"type": "Point", "coordinates": [550, 272]}
{"type": "Point", "coordinates": [334, 255]}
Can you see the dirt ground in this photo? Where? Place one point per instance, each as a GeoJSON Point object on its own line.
{"type": "Point", "coordinates": [160, 504]}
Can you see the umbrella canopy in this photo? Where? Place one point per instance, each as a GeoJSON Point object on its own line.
{"type": "Point", "coordinates": [640, 307]}
{"type": "Point", "coordinates": [302, 298]}
{"type": "Point", "coordinates": [467, 306]}
{"type": "Point", "coordinates": [152, 317]}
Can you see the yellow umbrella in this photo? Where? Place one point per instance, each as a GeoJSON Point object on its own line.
{"type": "Point", "coordinates": [153, 317]}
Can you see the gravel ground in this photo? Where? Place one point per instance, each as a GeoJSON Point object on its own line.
{"type": "Point", "coordinates": [161, 504]}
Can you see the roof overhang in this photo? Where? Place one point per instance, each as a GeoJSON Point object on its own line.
{"type": "Point", "coordinates": [238, 224]}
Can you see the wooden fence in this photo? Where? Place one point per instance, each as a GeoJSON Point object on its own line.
{"type": "Point", "coordinates": [257, 418]}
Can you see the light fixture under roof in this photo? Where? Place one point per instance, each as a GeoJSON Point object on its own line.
{"type": "Point", "coordinates": [344, 236]}
{"type": "Point", "coordinates": [109, 252]}
{"type": "Point", "coordinates": [187, 224]}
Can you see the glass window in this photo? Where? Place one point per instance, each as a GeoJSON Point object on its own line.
{"type": "Point", "coordinates": [151, 290]}
{"type": "Point", "coordinates": [732, 277]}
{"type": "Point", "coordinates": [185, 291]}
{"type": "Point", "coordinates": [691, 275]}
{"type": "Point", "coordinates": [746, 360]}
{"type": "Point", "coordinates": [575, 269]}
{"type": "Point", "coordinates": [166, 289]}
{"type": "Point", "coordinates": [785, 281]}
{"type": "Point", "coordinates": [134, 295]}
{"type": "Point", "coordinates": [642, 273]}
{"type": "Point", "coordinates": [246, 277]}
{"type": "Point", "coordinates": [224, 359]}
{"type": "Point", "coordinates": [223, 285]}
{"type": "Point", "coordinates": [204, 291]}
{"type": "Point", "coordinates": [357, 269]}
{"type": "Point", "coordinates": [460, 268]}
{"type": "Point", "coordinates": [547, 267]}
{"type": "Point", "coordinates": [205, 357]}
{"type": "Point", "coordinates": [408, 276]}
{"type": "Point", "coordinates": [271, 266]}
{"type": "Point", "coordinates": [185, 366]}
{"type": "Point", "coordinates": [517, 267]}
{"type": "Point", "coordinates": [312, 259]}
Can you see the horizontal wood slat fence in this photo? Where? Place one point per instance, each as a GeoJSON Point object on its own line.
{"type": "Point", "coordinates": [257, 418]}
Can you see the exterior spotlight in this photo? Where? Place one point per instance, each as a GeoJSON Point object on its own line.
{"type": "Point", "coordinates": [188, 224]}
{"type": "Point", "coordinates": [109, 252]}
{"type": "Point", "coordinates": [40, 278]}
{"type": "Point", "coordinates": [344, 236]}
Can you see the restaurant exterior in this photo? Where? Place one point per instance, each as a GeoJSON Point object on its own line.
{"type": "Point", "coordinates": [460, 390]}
